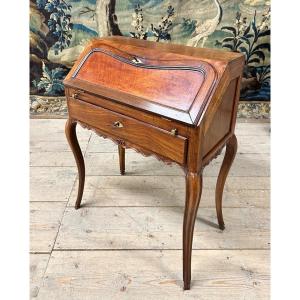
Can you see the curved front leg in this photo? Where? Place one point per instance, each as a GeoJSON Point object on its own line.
{"type": "Point", "coordinates": [231, 148]}
{"type": "Point", "coordinates": [193, 195]}
{"type": "Point", "coordinates": [70, 131]}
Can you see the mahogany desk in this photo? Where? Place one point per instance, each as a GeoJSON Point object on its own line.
{"type": "Point", "coordinates": [175, 102]}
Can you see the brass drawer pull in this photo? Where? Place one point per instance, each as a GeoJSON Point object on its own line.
{"type": "Point", "coordinates": [118, 124]}
{"type": "Point", "coordinates": [174, 131]}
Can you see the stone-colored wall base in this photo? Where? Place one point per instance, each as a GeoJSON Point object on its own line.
{"type": "Point", "coordinates": [42, 106]}
{"type": "Point", "coordinates": [254, 110]}
{"type": "Point", "coordinates": [48, 106]}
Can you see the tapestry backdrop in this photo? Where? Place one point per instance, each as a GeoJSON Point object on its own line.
{"type": "Point", "coordinates": [60, 29]}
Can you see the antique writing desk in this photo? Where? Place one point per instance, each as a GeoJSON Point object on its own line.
{"type": "Point", "coordinates": [175, 102]}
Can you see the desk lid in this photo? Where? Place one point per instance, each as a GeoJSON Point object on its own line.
{"type": "Point", "coordinates": [171, 85]}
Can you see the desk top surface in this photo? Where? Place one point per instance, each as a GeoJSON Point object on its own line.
{"type": "Point", "coordinates": [173, 81]}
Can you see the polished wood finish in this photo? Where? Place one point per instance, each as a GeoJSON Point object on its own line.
{"type": "Point", "coordinates": [121, 159]}
{"type": "Point", "coordinates": [110, 73]}
{"type": "Point", "coordinates": [102, 71]}
{"type": "Point", "coordinates": [175, 102]}
{"type": "Point", "coordinates": [128, 131]}
{"type": "Point", "coordinates": [193, 195]}
{"type": "Point", "coordinates": [70, 130]}
{"type": "Point", "coordinates": [231, 148]}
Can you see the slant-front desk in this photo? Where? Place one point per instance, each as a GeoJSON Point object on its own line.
{"type": "Point", "coordinates": [175, 102]}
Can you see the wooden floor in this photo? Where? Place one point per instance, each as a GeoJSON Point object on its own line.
{"type": "Point", "coordinates": [125, 242]}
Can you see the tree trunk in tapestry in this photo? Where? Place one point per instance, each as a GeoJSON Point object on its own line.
{"type": "Point", "coordinates": [107, 21]}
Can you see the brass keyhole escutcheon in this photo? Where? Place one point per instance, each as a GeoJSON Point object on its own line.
{"type": "Point", "coordinates": [136, 60]}
{"type": "Point", "coordinates": [76, 94]}
{"type": "Point", "coordinates": [118, 124]}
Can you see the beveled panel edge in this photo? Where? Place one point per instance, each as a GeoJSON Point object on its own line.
{"type": "Point", "coordinates": [206, 69]}
{"type": "Point", "coordinates": [106, 93]}
{"type": "Point", "coordinates": [220, 55]}
{"type": "Point", "coordinates": [140, 64]}
{"type": "Point", "coordinates": [195, 114]}
{"type": "Point", "coordinates": [190, 117]}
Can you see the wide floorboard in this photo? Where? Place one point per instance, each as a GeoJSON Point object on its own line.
{"type": "Point", "coordinates": [125, 241]}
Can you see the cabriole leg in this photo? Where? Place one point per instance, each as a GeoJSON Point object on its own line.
{"type": "Point", "coordinates": [231, 148]}
{"type": "Point", "coordinates": [193, 195]}
{"type": "Point", "coordinates": [70, 130]}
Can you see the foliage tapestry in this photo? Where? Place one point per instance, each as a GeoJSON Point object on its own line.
{"type": "Point", "coordinates": [60, 29]}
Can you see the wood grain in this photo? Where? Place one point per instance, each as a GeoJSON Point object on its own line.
{"type": "Point", "coordinates": [244, 165]}
{"type": "Point", "coordinates": [161, 228]}
{"type": "Point", "coordinates": [52, 159]}
{"type": "Point", "coordinates": [246, 145]}
{"type": "Point", "coordinates": [231, 149]}
{"type": "Point", "coordinates": [169, 191]}
{"type": "Point", "coordinates": [136, 164]}
{"type": "Point", "coordinates": [217, 275]}
{"type": "Point", "coordinates": [99, 144]}
{"type": "Point", "coordinates": [199, 96]}
{"type": "Point", "coordinates": [261, 144]}
{"type": "Point", "coordinates": [121, 150]}
{"type": "Point", "coordinates": [130, 130]}
{"type": "Point", "coordinates": [52, 183]}
{"type": "Point", "coordinates": [194, 184]}
{"type": "Point", "coordinates": [38, 264]}
{"type": "Point", "coordinates": [253, 129]}
{"type": "Point", "coordinates": [142, 46]}
{"type": "Point", "coordinates": [102, 69]}
{"type": "Point", "coordinates": [248, 165]}
{"type": "Point", "coordinates": [45, 219]}
{"type": "Point", "coordinates": [49, 135]}
{"type": "Point", "coordinates": [70, 131]}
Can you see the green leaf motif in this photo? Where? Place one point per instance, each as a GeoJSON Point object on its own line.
{"type": "Point", "coordinates": [265, 33]}
{"type": "Point", "coordinates": [230, 29]}
{"type": "Point", "coordinates": [254, 28]}
{"type": "Point", "coordinates": [228, 39]}
{"type": "Point", "coordinates": [262, 46]}
{"type": "Point", "coordinates": [51, 81]}
{"type": "Point", "coordinates": [247, 30]}
{"type": "Point", "coordinates": [249, 35]}
{"type": "Point", "coordinates": [254, 60]}
{"type": "Point", "coordinates": [228, 46]}
{"type": "Point", "coordinates": [244, 50]}
{"type": "Point", "coordinates": [246, 40]}
{"type": "Point", "coordinates": [259, 53]}
{"type": "Point", "coordinates": [239, 43]}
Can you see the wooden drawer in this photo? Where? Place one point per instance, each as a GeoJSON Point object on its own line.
{"type": "Point", "coordinates": [129, 130]}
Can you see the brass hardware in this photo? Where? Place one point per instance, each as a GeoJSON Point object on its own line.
{"type": "Point", "coordinates": [174, 131]}
{"type": "Point", "coordinates": [77, 93]}
{"type": "Point", "coordinates": [118, 124]}
{"type": "Point", "coordinates": [136, 60]}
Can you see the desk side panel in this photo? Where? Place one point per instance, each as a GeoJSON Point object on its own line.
{"type": "Point", "coordinates": [223, 120]}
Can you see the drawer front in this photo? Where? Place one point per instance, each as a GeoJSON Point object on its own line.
{"type": "Point", "coordinates": [135, 132]}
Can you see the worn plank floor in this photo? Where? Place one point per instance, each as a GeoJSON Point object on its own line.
{"type": "Point", "coordinates": [125, 242]}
